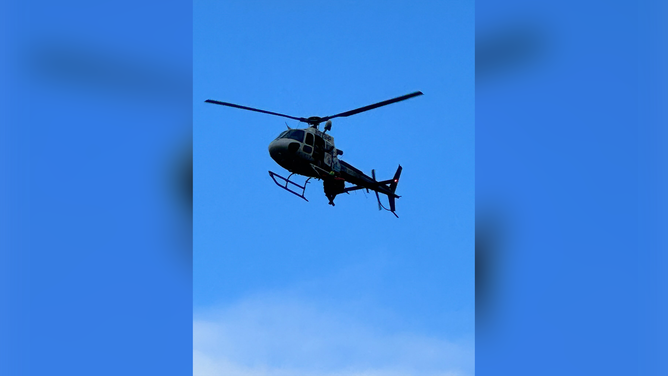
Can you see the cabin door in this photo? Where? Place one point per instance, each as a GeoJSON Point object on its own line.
{"type": "Point", "coordinates": [308, 143]}
{"type": "Point", "coordinates": [318, 150]}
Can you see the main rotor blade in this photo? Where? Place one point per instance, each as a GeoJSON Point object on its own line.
{"type": "Point", "coordinates": [254, 109]}
{"type": "Point", "coordinates": [372, 106]}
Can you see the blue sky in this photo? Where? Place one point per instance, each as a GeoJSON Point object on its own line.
{"type": "Point", "coordinates": [568, 141]}
{"type": "Point", "coordinates": [273, 272]}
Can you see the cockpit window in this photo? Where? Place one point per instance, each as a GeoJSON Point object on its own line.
{"type": "Point", "coordinates": [295, 134]}
{"type": "Point", "coordinates": [281, 135]}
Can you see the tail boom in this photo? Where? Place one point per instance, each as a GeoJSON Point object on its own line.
{"type": "Point", "coordinates": [362, 181]}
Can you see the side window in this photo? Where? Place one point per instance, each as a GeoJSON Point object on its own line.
{"type": "Point", "coordinates": [309, 139]}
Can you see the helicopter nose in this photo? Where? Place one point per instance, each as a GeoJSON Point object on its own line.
{"type": "Point", "coordinates": [277, 150]}
{"type": "Point", "coordinates": [283, 149]}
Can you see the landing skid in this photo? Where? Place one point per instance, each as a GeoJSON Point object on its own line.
{"type": "Point", "coordinates": [285, 185]}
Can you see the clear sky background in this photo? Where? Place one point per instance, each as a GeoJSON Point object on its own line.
{"type": "Point", "coordinates": [570, 137]}
{"type": "Point", "coordinates": [285, 286]}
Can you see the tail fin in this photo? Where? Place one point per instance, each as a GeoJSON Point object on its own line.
{"type": "Point", "coordinates": [393, 187]}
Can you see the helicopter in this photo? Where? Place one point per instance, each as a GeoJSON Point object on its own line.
{"type": "Point", "coordinates": [310, 152]}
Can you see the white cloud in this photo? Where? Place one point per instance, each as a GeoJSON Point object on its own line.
{"type": "Point", "coordinates": [271, 336]}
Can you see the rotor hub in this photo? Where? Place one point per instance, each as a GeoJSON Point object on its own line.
{"type": "Point", "coordinates": [314, 121]}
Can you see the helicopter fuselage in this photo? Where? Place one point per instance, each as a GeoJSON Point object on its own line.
{"type": "Point", "coordinates": [312, 153]}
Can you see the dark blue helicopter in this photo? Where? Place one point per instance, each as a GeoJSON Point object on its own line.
{"type": "Point", "coordinates": [311, 153]}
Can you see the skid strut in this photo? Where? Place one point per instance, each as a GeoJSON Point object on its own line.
{"type": "Point", "coordinates": [285, 185]}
